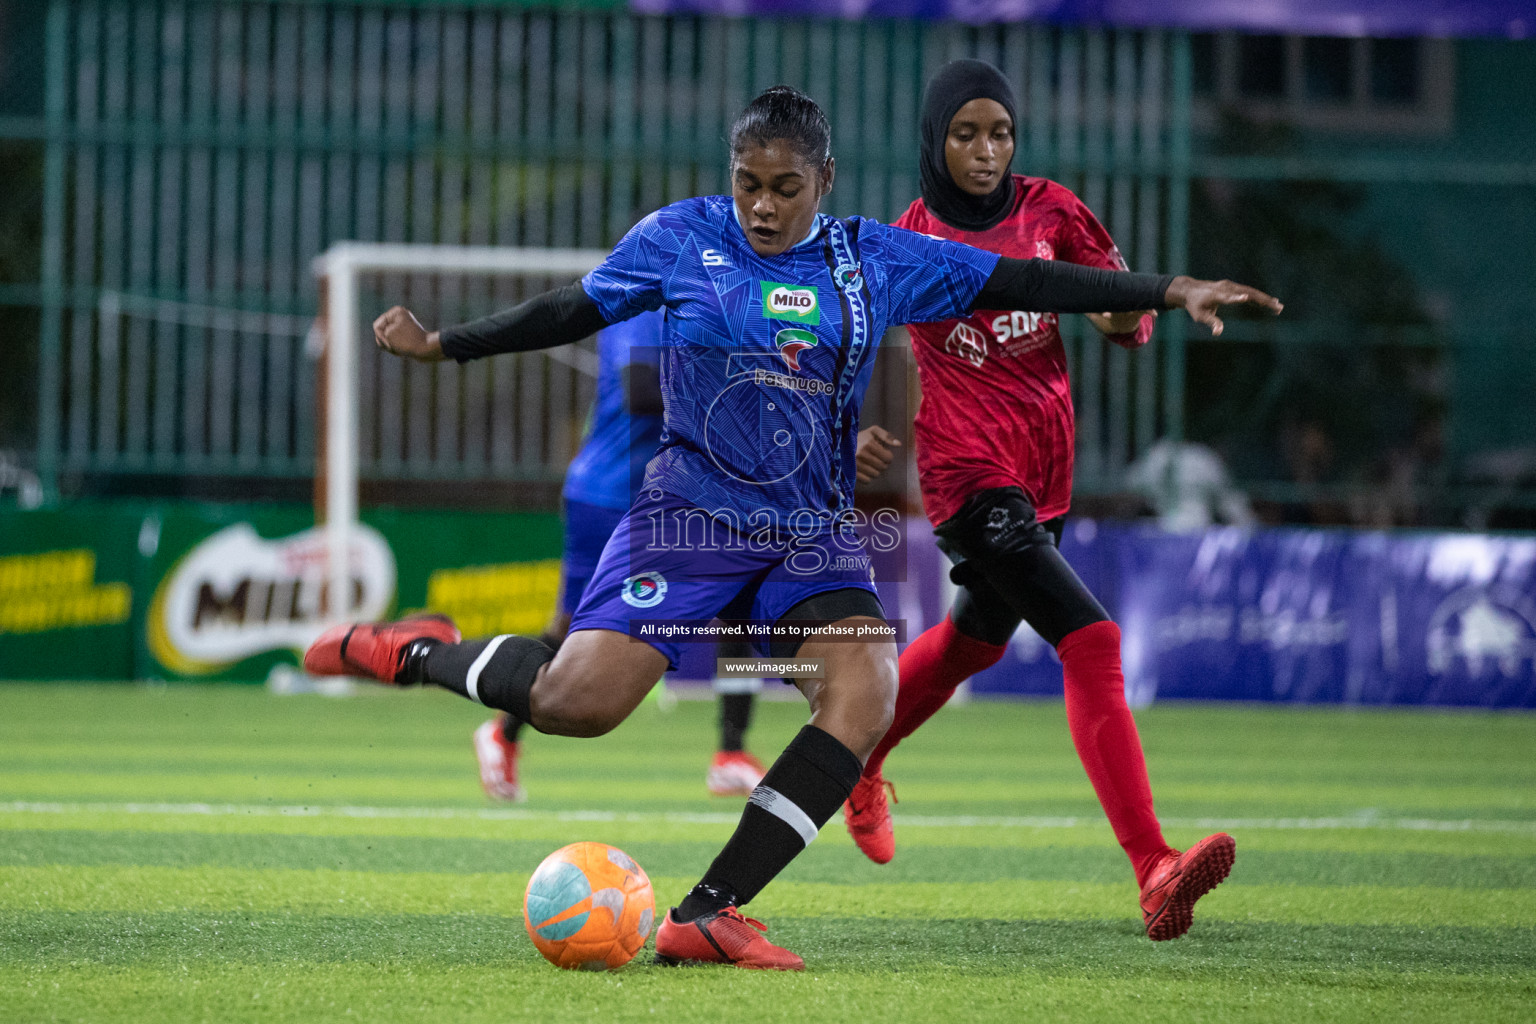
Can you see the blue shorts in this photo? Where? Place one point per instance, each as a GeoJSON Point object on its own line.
{"type": "Point", "coordinates": [587, 529]}
{"type": "Point", "coordinates": [670, 563]}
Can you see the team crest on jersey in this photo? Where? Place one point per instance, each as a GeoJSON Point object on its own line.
{"type": "Point", "coordinates": [848, 276]}
{"type": "Point", "coordinates": [794, 302]}
{"type": "Point", "coordinates": [968, 343]}
{"type": "Point", "coordinates": [644, 591]}
{"type": "Point", "coordinates": [1044, 250]}
{"type": "Point", "coordinates": [792, 341]}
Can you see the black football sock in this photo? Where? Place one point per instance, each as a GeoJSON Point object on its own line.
{"type": "Point", "coordinates": [498, 672]}
{"type": "Point", "coordinates": [805, 786]}
{"type": "Point", "coordinates": [735, 717]}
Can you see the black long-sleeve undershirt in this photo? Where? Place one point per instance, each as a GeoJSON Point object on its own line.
{"type": "Point", "coordinates": [568, 314]}
{"type": "Point", "coordinates": [1052, 286]}
{"type": "Point", "coordinates": [565, 315]}
{"type": "Point", "coordinates": [548, 320]}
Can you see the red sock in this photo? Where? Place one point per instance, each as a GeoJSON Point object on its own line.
{"type": "Point", "coordinates": [1107, 743]}
{"type": "Point", "coordinates": [931, 667]}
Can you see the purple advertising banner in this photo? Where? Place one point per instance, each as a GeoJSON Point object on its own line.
{"type": "Point", "coordinates": [1291, 615]}
{"type": "Point", "coordinates": [1513, 19]}
{"type": "Point", "coordinates": [1311, 616]}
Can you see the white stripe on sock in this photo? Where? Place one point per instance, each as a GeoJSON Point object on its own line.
{"type": "Point", "coordinates": [472, 681]}
{"type": "Point", "coordinates": [786, 810]}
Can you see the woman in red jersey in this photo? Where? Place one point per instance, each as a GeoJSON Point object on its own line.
{"type": "Point", "coordinates": [994, 440]}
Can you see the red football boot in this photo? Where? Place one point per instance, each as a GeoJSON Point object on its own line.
{"type": "Point", "coordinates": [498, 762]}
{"type": "Point", "coordinates": [723, 937]}
{"type": "Point", "coordinates": [374, 649]}
{"type": "Point", "coordinates": [734, 773]}
{"type": "Point", "coordinates": [1168, 898]}
{"type": "Point", "coordinates": [868, 818]}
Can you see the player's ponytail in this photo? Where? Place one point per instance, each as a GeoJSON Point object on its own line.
{"type": "Point", "coordinates": [784, 112]}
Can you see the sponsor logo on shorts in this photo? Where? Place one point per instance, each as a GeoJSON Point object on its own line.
{"type": "Point", "coordinates": [644, 591]}
{"type": "Point", "coordinates": [848, 276]}
{"type": "Point", "coordinates": [792, 341]}
{"type": "Point", "coordinates": [795, 302]}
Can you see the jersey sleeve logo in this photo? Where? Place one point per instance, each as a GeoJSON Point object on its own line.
{"type": "Point", "coordinates": [794, 302]}
{"type": "Point", "coordinates": [848, 276]}
{"type": "Point", "coordinates": [792, 341]}
{"type": "Point", "coordinates": [968, 343]}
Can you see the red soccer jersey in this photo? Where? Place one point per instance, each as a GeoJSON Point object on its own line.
{"type": "Point", "coordinates": [997, 406]}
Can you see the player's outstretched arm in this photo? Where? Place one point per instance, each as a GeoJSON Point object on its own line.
{"type": "Point", "coordinates": [1058, 287]}
{"type": "Point", "coordinates": [549, 320]}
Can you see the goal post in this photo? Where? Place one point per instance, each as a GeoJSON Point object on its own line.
{"type": "Point", "coordinates": [344, 325]}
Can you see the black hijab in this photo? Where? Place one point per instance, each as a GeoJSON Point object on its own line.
{"type": "Point", "coordinates": [956, 84]}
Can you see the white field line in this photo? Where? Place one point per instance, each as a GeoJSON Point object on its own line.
{"type": "Point", "coordinates": [1357, 821]}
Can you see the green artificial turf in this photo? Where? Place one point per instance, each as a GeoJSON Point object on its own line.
{"type": "Point", "coordinates": [216, 853]}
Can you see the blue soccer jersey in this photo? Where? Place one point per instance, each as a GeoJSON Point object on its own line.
{"type": "Point", "coordinates": [617, 445]}
{"type": "Point", "coordinates": [765, 360]}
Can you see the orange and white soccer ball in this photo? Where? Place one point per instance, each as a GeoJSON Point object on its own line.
{"type": "Point", "coordinates": [589, 906]}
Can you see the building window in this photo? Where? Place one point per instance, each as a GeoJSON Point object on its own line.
{"type": "Point", "coordinates": [1381, 86]}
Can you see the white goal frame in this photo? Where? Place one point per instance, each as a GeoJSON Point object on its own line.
{"type": "Point", "coordinates": [342, 321]}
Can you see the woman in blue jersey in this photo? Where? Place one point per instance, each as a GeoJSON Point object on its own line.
{"type": "Point", "coordinates": [623, 430]}
{"type": "Point", "coordinates": [773, 315]}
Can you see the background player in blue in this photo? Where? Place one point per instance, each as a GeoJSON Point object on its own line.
{"type": "Point", "coordinates": [623, 430]}
{"type": "Point", "coordinates": [773, 314]}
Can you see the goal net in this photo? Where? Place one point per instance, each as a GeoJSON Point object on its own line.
{"type": "Point", "coordinates": [514, 418]}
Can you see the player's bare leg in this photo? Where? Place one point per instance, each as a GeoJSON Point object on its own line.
{"type": "Point", "coordinates": [594, 682]}
{"type": "Point", "coordinates": [856, 697]}
{"type": "Point", "coordinates": [591, 685]}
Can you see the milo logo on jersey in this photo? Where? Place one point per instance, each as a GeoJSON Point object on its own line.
{"type": "Point", "coordinates": [795, 302]}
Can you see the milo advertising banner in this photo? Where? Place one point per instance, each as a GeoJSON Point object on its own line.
{"type": "Point", "coordinates": [238, 591]}
{"type": "Point", "coordinates": [239, 594]}
{"type": "Point", "coordinates": [195, 592]}
{"type": "Point", "coordinates": [67, 593]}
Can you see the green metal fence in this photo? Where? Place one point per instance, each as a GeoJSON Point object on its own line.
{"type": "Point", "coordinates": [199, 155]}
